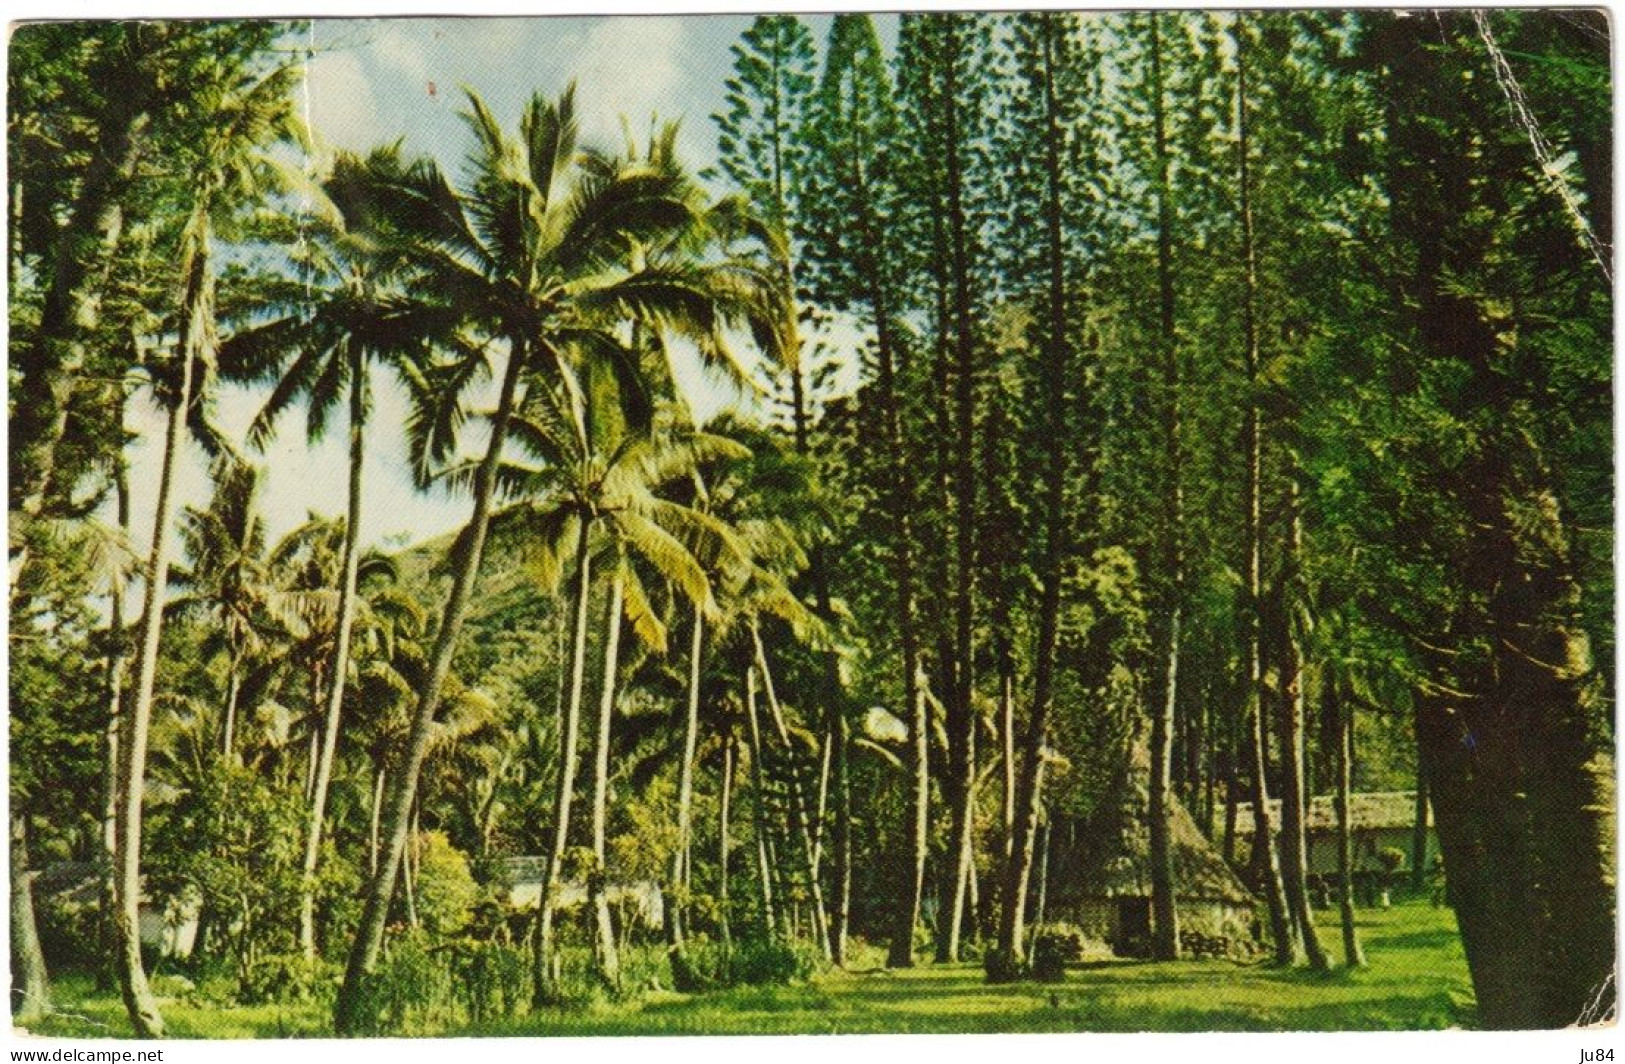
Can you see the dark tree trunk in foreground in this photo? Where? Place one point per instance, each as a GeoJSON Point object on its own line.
{"type": "Point", "coordinates": [1514, 740]}
{"type": "Point", "coordinates": [347, 1017]}
{"type": "Point", "coordinates": [1164, 914]}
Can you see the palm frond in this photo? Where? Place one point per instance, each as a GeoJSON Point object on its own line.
{"type": "Point", "coordinates": [668, 556]}
{"type": "Point", "coordinates": [645, 621]}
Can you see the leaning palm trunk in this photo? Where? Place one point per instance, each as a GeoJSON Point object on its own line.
{"type": "Point", "coordinates": [685, 782]}
{"type": "Point", "coordinates": [347, 1018]}
{"type": "Point", "coordinates": [30, 988]}
{"type": "Point", "coordinates": [608, 958]}
{"type": "Point", "coordinates": [115, 711]}
{"type": "Point", "coordinates": [340, 667]}
{"type": "Point", "coordinates": [764, 863]}
{"type": "Point", "coordinates": [545, 988]}
{"type": "Point", "coordinates": [196, 331]}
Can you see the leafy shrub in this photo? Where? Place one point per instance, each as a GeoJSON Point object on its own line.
{"type": "Point", "coordinates": [696, 967]}
{"type": "Point", "coordinates": [285, 977]}
{"type": "Point", "coordinates": [1001, 967]}
{"type": "Point", "coordinates": [769, 962]}
{"type": "Point", "coordinates": [70, 928]}
{"type": "Point", "coordinates": [492, 978]}
{"type": "Point", "coordinates": [1054, 947]}
{"type": "Point", "coordinates": [409, 991]}
{"type": "Point", "coordinates": [446, 891]}
{"type": "Point", "coordinates": [703, 965]}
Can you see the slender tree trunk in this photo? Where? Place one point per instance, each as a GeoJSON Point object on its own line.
{"type": "Point", "coordinates": [1056, 532]}
{"type": "Point", "coordinates": [901, 951]}
{"type": "Point", "coordinates": [377, 814]}
{"type": "Point", "coordinates": [545, 989]}
{"type": "Point", "coordinates": [832, 695]}
{"type": "Point", "coordinates": [607, 958]}
{"type": "Point", "coordinates": [113, 732]}
{"type": "Point", "coordinates": [1164, 914]}
{"type": "Point", "coordinates": [30, 987]}
{"type": "Point", "coordinates": [840, 900]}
{"type": "Point", "coordinates": [1282, 930]}
{"type": "Point", "coordinates": [1232, 799]}
{"type": "Point", "coordinates": [962, 713]}
{"type": "Point", "coordinates": [414, 855]}
{"type": "Point", "coordinates": [821, 805]}
{"type": "Point", "coordinates": [347, 1018]}
{"type": "Point", "coordinates": [196, 306]}
{"type": "Point", "coordinates": [724, 911]}
{"type": "Point", "coordinates": [1342, 711]}
{"type": "Point", "coordinates": [1294, 802]}
{"type": "Point", "coordinates": [759, 781]}
{"type": "Point", "coordinates": [685, 780]}
{"type": "Point", "coordinates": [340, 668]}
{"type": "Point", "coordinates": [1419, 834]}
{"type": "Point", "coordinates": [1043, 874]}
{"type": "Point", "coordinates": [1007, 746]}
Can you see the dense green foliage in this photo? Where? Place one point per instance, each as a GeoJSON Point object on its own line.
{"type": "Point", "coordinates": [1234, 386]}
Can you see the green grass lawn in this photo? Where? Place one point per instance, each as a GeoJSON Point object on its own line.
{"type": "Point", "coordinates": [1416, 979]}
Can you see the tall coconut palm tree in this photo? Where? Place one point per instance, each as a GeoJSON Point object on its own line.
{"type": "Point", "coordinates": [346, 309]}
{"type": "Point", "coordinates": [598, 475]}
{"type": "Point", "coordinates": [534, 249]}
{"type": "Point", "coordinates": [243, 114]}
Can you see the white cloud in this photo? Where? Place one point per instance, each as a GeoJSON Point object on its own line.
{"type": "Point", "coordinates": [629, 66]}
{"type": "Point", "coordinates": [339, 102]}
{"type": "Point", "coordinates": [397, 46]}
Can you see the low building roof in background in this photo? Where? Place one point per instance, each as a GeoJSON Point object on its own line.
{"type": "Point", "coordinates": [1369, 811]}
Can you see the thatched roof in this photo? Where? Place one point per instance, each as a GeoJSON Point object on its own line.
{"type": "Point", "coordinates": [1118, 861]}
{"type": "Point", "coordinates": [1377, 810]}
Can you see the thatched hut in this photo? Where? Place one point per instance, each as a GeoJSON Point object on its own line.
{"type": "Point", "coordinates": [1100, 877]}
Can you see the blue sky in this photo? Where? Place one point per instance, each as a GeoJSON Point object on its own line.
{"type": "Point", "coordinates": [375, 80]}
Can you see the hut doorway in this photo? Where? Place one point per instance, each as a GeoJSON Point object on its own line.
{"type": "Point", "coordinates": [1133, 919]}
